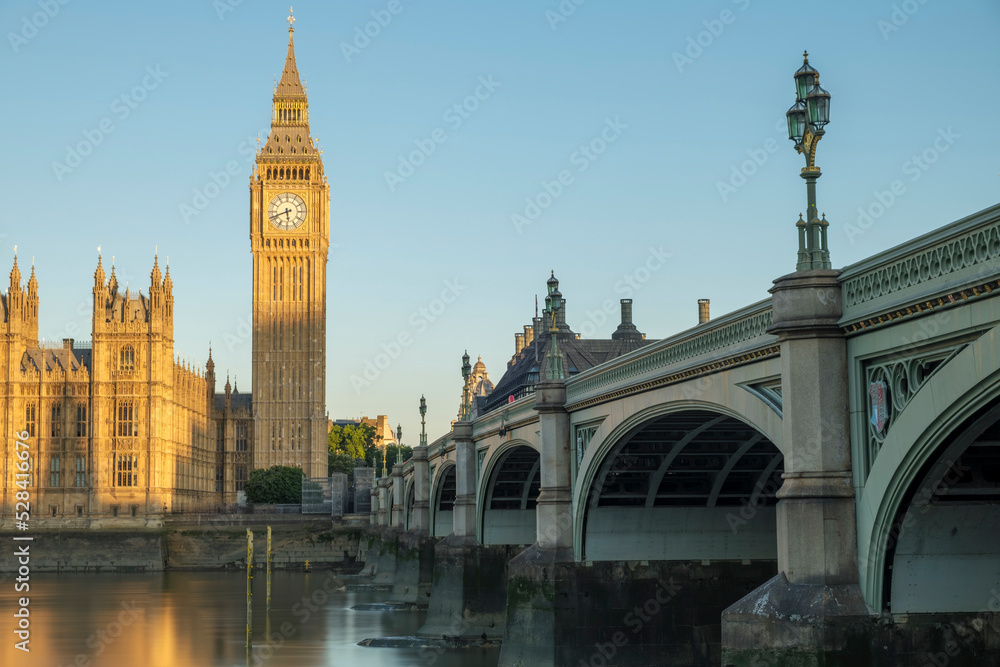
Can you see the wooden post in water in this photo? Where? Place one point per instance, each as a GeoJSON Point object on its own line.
{"type": "Point", "coordinates": [249, 589]}
{"type": "Point", "coordinates": [268, 568]}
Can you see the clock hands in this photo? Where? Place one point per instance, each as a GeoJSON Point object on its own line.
{"type": "Point", "coordinates": [286, 213]}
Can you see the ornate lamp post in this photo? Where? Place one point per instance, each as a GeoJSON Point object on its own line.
{"type": "Point", "coordinates": [806, 122]}
{"type": "Point", "coordinates": [554, 359]}
{"type": "Point", "coordinates": [399, 444]}
{"type": "Point", "coordinates": [466, 413]}
{"type": "Point", "coordinates": [423, 424]}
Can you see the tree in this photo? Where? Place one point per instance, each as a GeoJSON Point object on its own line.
{"type": "Point", "coordinates": [390, 454]}
{"type": "Point", "coordinates": [354, 440]}
{"type": "Point", "coordinates": [343, 462]}
{"type": "Point", "coordinates": [274, 485]}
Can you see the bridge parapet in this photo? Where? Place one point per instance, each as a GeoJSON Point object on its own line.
{"type": "Point", "coordinates": [721, 343]}
{"type": "Point", "coordinates": [958, 259]}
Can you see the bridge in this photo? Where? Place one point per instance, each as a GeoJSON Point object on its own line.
{"type": "Point", "coordinates": [816, 467]}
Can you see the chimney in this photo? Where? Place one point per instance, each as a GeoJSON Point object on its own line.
{"type": "Point", "coordinates": [703, 311]}
{"type": "Point", "coordinates": [529, 334]}
{"type": "Point", "coordinates": [626, 311]}
{"type": "Point", "coordinates": [626, 330]}
{"type": "Point", "coordinates": [67, 343]}
{"type": "Point", "coordinates": [518, 342]}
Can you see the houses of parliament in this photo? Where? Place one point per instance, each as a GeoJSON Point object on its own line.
{"type": "Point", "coordinates": [117, 427]}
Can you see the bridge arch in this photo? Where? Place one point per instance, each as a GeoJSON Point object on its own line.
{"type": "Point", "coordinates": [684, 481]}
{"type": "Point", "coordinates": [507, 494]}
{"type": "Point", "coordinates": [930, 507]}
{"type": "Point", "coordinates": [442, 499]}
{"type": "Point", "coordinates": [409, 495]}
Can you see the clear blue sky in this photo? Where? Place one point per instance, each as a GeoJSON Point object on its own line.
{"type": "Point", "coordinates": [902, 75]}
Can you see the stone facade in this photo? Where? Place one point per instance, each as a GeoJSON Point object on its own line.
{"type": "Point", "coordinates": [116, 427]}
{"type": "Point", "coordinates": [289, 240]}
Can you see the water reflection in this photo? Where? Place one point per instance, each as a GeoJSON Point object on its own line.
{"type": "Point", "coordinates": [198, 619]}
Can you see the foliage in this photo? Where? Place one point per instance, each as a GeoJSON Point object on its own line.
{"type": "Point", "coordinates": [342, 462]}
{"type": "Point", "coordinates": [274, 485]}
{"type": "Point", "coordinates": [355, 440]}
{"type": "Point", "coordinates": [390, 454]}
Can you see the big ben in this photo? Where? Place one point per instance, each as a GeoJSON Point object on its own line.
{"type": "Point", "coordinates": [289, 241]}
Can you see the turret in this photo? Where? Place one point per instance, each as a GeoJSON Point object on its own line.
{"type": "Point", "coordinates": [210, 379]}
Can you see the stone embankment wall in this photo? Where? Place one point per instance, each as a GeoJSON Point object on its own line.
{"type": "Point", "coordinates": [190, 543]}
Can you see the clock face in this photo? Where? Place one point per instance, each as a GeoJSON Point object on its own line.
{"type": "Point", "coordinates": [287, 211]}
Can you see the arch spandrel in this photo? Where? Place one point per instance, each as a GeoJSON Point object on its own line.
{"type": "Point", "coordinates": [968, 382]}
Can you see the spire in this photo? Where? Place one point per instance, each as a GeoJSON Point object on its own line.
{"type": "Point", "coordinates": [210, 364]}
{"type": "Point", "coordinates": [168, 284]}
{"type": "Point", "coordinates": [155, 277]}
{"type": "Point", "coordinates": [290, 137]}
{"type": "Point", "coordinates": [113, 280]}
{"type": "Point", "coordinates": [15, 273]}
{"type": "Point", "coordinates": [290, 85]}
{"type": "Point", "coordinates": [32, 282]}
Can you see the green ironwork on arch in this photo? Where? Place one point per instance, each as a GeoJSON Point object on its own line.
{"type": "Point", "coordinates": [494, 457]}
{"type": "Point", "coordinates": [442, 470]}
{"type": "Point", "coordinates": [597, 455]}
{"type": "Point", "coordinates": [949, 398]}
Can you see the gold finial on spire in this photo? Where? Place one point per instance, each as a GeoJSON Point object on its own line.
{"type": "Point", "coordinates": [98, 251]}
{"type": "Point", "coordinates": [291, 20]}
{"type": "Point", "coordinates": [805, 56]}
{"type": "Point", "coordinates": [15, 252]}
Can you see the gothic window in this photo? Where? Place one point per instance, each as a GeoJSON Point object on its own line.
{"type": "Point", "coordinates": [29, 419]}
{"type": "Point", "coordinates": [126, 359]}
{"type": "Point", "coordinates": [81, 420]}
{"type": "Point", "coordinates": [241, 437]}
{"type": "Point", "coordinates": [220, 436]}
{"type": "Point", "coordinates": [54, 471]}
{"type": "Point", "coordinates": [81, 470]}
{"type": "Point", "coordinates": [56, 427]}
{"type": "Point", "coordinates": [300, 436]}
{"type": "Point", "coordinates": [126, 470]}
{"type": "Point", "coordinates": [218, 479]}
{"type": "Point", "coordinates": [125, 420]}
{"type": "Point", "coordinates": [241, 477]}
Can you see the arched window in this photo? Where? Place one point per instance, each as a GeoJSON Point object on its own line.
{"type": "Point", "coordinates": [126, 360]}
{"type": "Point", "coordinates": [126, 425]}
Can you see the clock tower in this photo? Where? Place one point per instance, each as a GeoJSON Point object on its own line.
{"type": "Point", "coordinates": [289, 241]}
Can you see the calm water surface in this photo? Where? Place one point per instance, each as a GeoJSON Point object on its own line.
{"type": "Point", "coordinates": [198, 619]}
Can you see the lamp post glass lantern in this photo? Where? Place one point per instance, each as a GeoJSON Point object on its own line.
{"type": "Point", "coordinates": [807, 120]}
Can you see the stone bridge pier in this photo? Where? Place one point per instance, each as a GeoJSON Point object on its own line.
{"type": "Point", "coordinates": [812, 612]}
{"type": "Point", "coordinates": [468, 594]}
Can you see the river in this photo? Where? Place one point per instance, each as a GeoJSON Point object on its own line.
{"type": "Point", "coordinates": [198, 619]}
